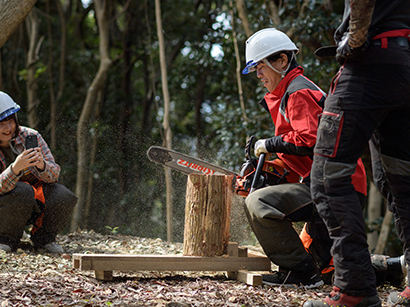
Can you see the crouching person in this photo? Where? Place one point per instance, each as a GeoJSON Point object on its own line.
{"type": "Point", "coordinates": [29, 192]}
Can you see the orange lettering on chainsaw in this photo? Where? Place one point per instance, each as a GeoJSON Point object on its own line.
{"type": "Point", "coordinates": [195, 167]}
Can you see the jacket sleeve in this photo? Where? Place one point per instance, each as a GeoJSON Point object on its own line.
{"type": "Point", "coordinates": [8, 180]}
{"type": "Point", "coordinates": [303, 113]}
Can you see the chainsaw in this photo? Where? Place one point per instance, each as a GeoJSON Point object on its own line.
{"type": "Point", "coordinates": [254, 173]}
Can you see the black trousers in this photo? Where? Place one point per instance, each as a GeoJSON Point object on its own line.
{"type": "Point", "coordinates": [18, 207]}
{"type": "Point", "coordinates": [370, 97]}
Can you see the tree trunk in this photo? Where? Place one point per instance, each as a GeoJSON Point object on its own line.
{"type": "Point", "coordinates": [240, 6]}
{"type": "Point", "coordinates": [102, 10]}
{"type": "Point", "coordinates": [53, 106]}
{"type": "Point", "coordinates": [61, 71]}
{"type": "Point", "coordinates": [274, 13]}
{"type": "Point", "coordinates": [33, 24]}
{"type": "Point", "coordinates": [384, 233]}
{"type": "Point", "coordinates": [303, 8]}
{"type": "Point", "coordinates": [199, 129]}
{"type": "Point", "coordinates": [238, 70]}
{"type": "Point", "coordinates": [63, 45]}
{"type": "Point", "coordinates": [166, 125]}
{"type": "Point", "coordinates": [207, 215]}
{"type": "Point", "coordinates": [12, 13]}
{"type": "Point", "coordinates": [93, 153]}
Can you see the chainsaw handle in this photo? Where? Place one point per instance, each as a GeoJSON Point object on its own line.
{"type": "Point", "coordinates": [258, 172]}
{"type": "Point", "coordinates": [248, 148]}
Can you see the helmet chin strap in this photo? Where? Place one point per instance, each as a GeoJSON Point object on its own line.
{"type": "Point", "coordinates": [283, 72]}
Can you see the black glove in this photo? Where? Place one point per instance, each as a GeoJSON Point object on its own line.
{"type": "Point", "coordinates": [345, 51]}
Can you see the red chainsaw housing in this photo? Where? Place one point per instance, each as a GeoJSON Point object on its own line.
{"type": "Point", "coordinates": [274, 172]}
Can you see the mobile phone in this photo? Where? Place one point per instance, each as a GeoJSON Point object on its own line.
{"type": "Point", "coordinates": [31, 141]}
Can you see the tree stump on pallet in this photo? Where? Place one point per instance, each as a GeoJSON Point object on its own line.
{"type": "Point", "coordinates": [207, 215]}
{"type": "Point", "coordinates": [206, 236]}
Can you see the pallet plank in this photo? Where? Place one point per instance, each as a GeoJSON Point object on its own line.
{"type": "Point", "coordinates": [249, 278]}
{"type": "Point", "coordinates": [120, 262]}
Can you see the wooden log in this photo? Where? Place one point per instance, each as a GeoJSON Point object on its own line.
{"type": "Point", "coordinates": [207, 215]}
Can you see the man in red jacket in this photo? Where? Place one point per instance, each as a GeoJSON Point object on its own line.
{"type": "Point", "coordinates": [295, 104]}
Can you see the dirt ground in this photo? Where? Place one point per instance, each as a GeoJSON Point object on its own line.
{"type": "Point", "coordinates": [29, 278]}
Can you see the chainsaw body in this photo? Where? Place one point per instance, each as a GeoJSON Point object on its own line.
{"type": "Point", "coordinates": [273, 172]}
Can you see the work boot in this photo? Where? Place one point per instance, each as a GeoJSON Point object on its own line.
{"type": "Point", "coordinates": [400, 299]}
{"type": "Point", "coordinates": [5, 247]}
{"type": "Point", "coordinates": [338, 299]}
{"type": "Point", "coordinates": [54, 247]}
{"type": "Point", "coordinates": [283, 278]}
{"type": "Point", "coordinates": [304, 274]}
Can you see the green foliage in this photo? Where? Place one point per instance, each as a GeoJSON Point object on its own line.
{"type": "Point", "coordinates": [112, 230]}
{"type": "Point", "coordinates": [41, 68]}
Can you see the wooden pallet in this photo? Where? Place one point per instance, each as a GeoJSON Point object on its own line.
{"type": "Point", "coordinates": [239, 264]}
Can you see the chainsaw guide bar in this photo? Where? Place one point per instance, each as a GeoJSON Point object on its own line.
{"type": "Point", "coordinates": [184, 163]}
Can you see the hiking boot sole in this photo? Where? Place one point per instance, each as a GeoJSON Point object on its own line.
{"type": "Point", "coordinates": [400, 302]}
{"type": "Point", "coordinates": [323, 304]}
{"type": "Point", "coordinates": [310, 286]}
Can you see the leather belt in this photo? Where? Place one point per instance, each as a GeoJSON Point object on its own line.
{"type": "Point", "coordinates": [398, 41]}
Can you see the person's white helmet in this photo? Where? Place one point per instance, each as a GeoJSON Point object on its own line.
{"type": "Point", "coordinates": [7, 106]}
{"type": "Point", "coordinates": [263, 44]}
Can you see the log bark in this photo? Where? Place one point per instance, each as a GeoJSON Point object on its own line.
{"type": "Point", "coordinates": [207, 215]}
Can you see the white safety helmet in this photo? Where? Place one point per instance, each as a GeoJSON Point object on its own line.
{"type": "Point", "coordinates": [263, 44]}
{"type": "Point", "coordinates": [7, 106]}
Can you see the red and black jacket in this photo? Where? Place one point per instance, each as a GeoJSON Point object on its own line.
{"type": "Point", "coordinates": [295, 107]}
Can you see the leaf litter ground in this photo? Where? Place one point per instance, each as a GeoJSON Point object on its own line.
{"type": "Point", "coordinates": [29, 278]}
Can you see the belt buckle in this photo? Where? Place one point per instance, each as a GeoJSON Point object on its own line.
{"type": "Point", "coordinates": [403, 41]}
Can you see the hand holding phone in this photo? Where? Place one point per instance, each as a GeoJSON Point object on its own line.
{"type": "Point", "coordinates": [31, 141]}
{"type": "Point", "coordinates": [29, 157]}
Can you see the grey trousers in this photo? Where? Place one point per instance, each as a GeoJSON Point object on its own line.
{"type": "Point", "coordinates": [18, 207]}
{"type": "Point", "coordinates": [271, 211]}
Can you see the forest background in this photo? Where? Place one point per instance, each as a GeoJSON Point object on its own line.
{"type": "Point", "coordinates": [88, 76]}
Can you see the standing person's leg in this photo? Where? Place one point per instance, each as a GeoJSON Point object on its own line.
{"type": "Point", "coordinates": [339, 206]}
{"type": "Point", "coordinates": [343, 134]}
{"type": "Point", "coordinates": [16, 208]}
{"type": "Point", "coordinates": [343, 215]}
{"type": "Point", "coordinates": [379, 176]}
{"type": "Point", "coordinates": [368, 88]}
{"type": "Point", "coordinates": [391, 149]}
